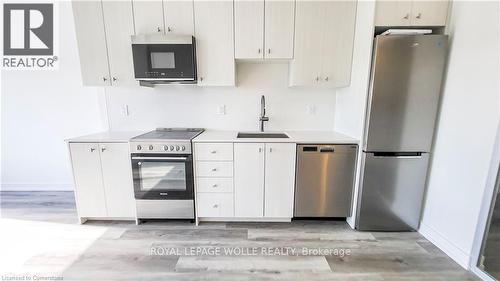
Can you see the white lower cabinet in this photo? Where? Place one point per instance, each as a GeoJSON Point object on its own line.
{"type": "Point", "coordinates": [215, 205]}
{"type": "Point", "coordinates": [103, 180]}
{"type": "Point", "coordinates": [264, 179]}
{"type": "Point", "coordinates": [249, 179]}
{"type": "Point", "coordinates": [279, 180]}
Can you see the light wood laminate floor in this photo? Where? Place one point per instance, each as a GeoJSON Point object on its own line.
{"type": "Point", "coordinates": [40, 236]}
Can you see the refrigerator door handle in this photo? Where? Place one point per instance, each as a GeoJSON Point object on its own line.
{"type": "Point", "coordinates": [398, 155]}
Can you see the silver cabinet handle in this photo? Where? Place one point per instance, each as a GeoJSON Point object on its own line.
{"type": "Point", "coordinates": [214, 169]}
{"type": "Point", "coordinates": [260, 149]}
{"type": "Point", "coordinates": [92, 149]}
{"type": "Point", "coordinates": [270, 149]}
{"type": "Point", "coordinates": [103, 149]}
{"type": "Point", "coordinates": [419, 16]}
{"type": "Point", "coordinates": [214, 186]}
{"type": "Point", "coordinates": [158, 29]}
{"type": "Point", "coordinates": [169, 29]}
{"type": "Point", "coordinates": [104, 79]}
{"type": "Point", "coordinates": [258, 50]}
{"type": "Point", "coordinates": [317, 78]}
{"type": "Point", "coordinates": [406, 17]}
{"type": "Point", "coordinates": [114, 79]}
{"type": "Point", "coordinates": [213, 151]}
{"type": "Point", "coordinates": [216, 206]}
{"type": "Point", "coordinates": [268, 51]}
{"type": "Point", "coordinates": [326, 78]}
{"type": "Point", "coordinates": [201, 79]}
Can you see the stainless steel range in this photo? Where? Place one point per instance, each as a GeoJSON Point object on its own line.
{"type": "Point", "coordinates": [162, 167]}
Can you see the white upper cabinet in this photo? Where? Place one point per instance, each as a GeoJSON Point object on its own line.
{"type": "Point", "coordinates": [117, 179]}
{"type": "Point", "coordinates": [119, 26]}
{"type": "Point", "coordinates": [279, 179]}
{"type": "Point", "coordinates": [392, 13]}
{"type": "Point", "coordinates": [279, 28]}
{"type": "Point", "coordinates": [214, 42]}
{"type": "Point", "coordinates": [324, 39]}
{"type": "Point", "coordinates": [148, 16]}
{"type": "Point", "coordinates": [249, 29]}
{"type": "Point", "coordinates": [338, 43]}
{"type": "Point", "coordinates": [429, 13]}
{"type": "Point", "coordinates": [249, 179]}
{"type": "Point", "coordinates": [264, 29]}
{"type": "Point", "coordinates": [178, 16]}
{"type": "Point", "coordinates": [89, 25]}
{"type": "Point", "coordinates": [411, 13]}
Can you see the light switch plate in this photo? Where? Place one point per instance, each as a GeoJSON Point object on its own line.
{"type": "Point", "coordinates": [221, 109]}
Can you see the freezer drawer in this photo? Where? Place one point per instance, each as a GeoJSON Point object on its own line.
{"type": "Point", "coordinates": [405, 88]}
{"type": "Point", "coordinates": [391, 192]}
{"type": "Point", "coordinates": [324, 180]}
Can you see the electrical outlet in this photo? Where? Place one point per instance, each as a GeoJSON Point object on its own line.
{"type": "Point", "coordinates": [125, 111]}
{"type": "Point", "coordinates": [221, 109]}
{"type": "Point", "coordinates": [311, 109]}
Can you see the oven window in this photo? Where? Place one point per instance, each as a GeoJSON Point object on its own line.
{"type": "Point", "coordinates": [163, 60]}
{"type": "Point", "coordinates": [163, 176]}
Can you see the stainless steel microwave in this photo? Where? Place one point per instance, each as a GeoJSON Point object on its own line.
{"type": "Point", "coordinates": [163, 59]}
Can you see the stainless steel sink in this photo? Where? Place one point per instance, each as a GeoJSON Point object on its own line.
{"type": "Point", "coordinates": [243, 135]}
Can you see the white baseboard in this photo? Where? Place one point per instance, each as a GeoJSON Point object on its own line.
{"type": "Point", "coordinates": [454, 252]}
{"type": "Point", "coordinates": [37, 187]}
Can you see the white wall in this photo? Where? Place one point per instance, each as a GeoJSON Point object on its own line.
{"type": "Point", "coordinates": [192, 106]}
{"type": "Point", "coordinates": [39, 109]}
{"type": "Point", "coordinates": [466, 129]}
{"type": "Point", "coordinates": [351, 101]}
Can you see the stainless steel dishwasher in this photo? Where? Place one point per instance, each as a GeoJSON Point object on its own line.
{"type": "Point", "coordinates": [324, 180]}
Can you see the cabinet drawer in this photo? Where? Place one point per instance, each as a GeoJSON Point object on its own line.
{"type": "Point", "coordinates": [215, 184]}
{"type": "Point", "coordinates": [214, 169]}
{"type": "Point", "coordinates": [215, 204]}
{"type": "Point", "coordinates": [214, 151]}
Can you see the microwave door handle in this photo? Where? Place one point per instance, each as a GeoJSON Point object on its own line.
{"type": "Point", "coordinates": [159, 158]}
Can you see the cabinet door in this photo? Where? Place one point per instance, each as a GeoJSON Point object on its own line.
{"type": "Point", "coordinates": [429, 13]}
{"type": "Point", "coordinates": [119, 24]}
{"type": "Point", "coordinates": [338, 43]}
{"type": "Point", "coordinates": [279, 27]}
{"type": "Point", "coordinates": [392, 13]}
{"type": "Point", "coordinates": [249, 179]}
{"type": "Point", "coordinates": [148, 16]}
{"type": "Point", "coordinates": [305, 67]}
{"type": "Point", "coordinates": [214, 42]}
{"type": "Point", "coordinates": [89, 27]}
{"type": "Point", "coordinates": [89, 191]}
{"type": "Point", "coordinates": [249, 29]}
{"type": "Point", "coordinates": [117, 179]}
{"type": "Point", "coordinates": [279, 179]}
{"type": "Point", "coordinates": [179, 16]}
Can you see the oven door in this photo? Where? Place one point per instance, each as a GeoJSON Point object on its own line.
{"type": "Point", "coordinates": [174, 62]}
{"type": "Point", "coordinates": [158, 176]}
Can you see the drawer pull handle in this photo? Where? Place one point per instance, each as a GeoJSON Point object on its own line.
{"type": "Point", "coordinates": [214, 169]}
{"type": "Point", "coordinates": [216, 206]}
{"type": "Point", "coordinates": [213, 151]}
{"type": "Point", "coordinates": [214, 186]}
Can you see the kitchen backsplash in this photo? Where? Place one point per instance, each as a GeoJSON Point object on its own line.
{"type": "Point", "coordinates": [231, 108]}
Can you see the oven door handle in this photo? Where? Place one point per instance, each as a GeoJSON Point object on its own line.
{"type": "Point", "coordinates": [159, 158]}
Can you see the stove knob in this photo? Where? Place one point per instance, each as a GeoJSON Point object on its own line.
{"type": "Point", "coordinates": [150, 147]}
{"type": "Point", "coordinates": [177, 148]}
{"type": "Point", "coordinates": [183, 148]}
{"type": "Point", "coordinates": [171, 148]}
{"type": "Point", "coordinates": [165, 147]}
{"type": "Point", "coordinates": [139, 147]}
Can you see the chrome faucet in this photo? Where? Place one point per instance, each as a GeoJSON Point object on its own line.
{"type": "Point", "coordinates": [263, 116]}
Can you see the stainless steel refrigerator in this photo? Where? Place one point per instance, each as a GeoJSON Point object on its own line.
{"type": "Point", "coordinates": [405, 86]}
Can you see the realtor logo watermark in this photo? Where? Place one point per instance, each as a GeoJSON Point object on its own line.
{"type": "Point", "coordinates": [28, 36]}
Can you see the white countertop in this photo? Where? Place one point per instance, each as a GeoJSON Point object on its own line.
{"type": "Point", "coordinates": [316, 137]}
{"type": "Point", "coordinates": [108, 136]}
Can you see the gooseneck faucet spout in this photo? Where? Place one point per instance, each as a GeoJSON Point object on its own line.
{"type": "Point", "coordinates": [263, 116]}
